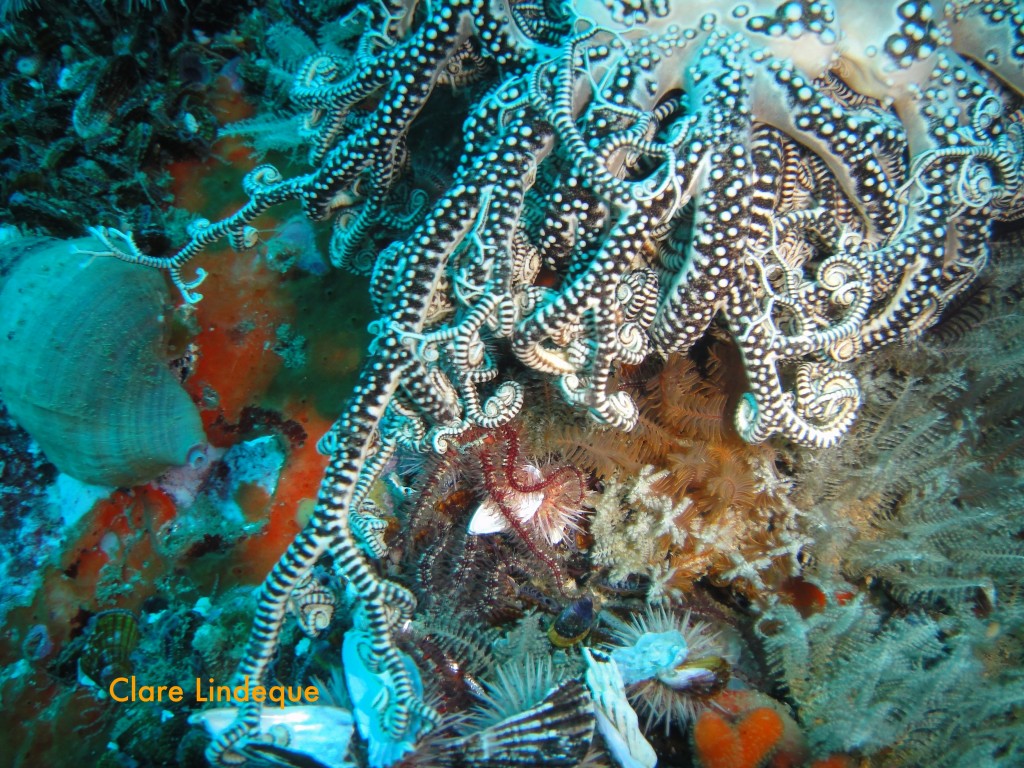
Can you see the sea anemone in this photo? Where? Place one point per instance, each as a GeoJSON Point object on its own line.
{"type": "Point", "coordinates": [517, 686]}
{"type": "Point", "coordinates": [671, 665]}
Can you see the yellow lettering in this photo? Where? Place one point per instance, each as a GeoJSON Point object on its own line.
{"type": "Point", "coordinates": [244, 695]}
{"type": "Point", "coordinates": [259, 693]}
{"type": "Point", "coordinates": [175, 693]}
{"type": "Point", "coordinates": [312, 693]}
{"type": "Point", "coordinates": [114, 682]}
{"type": "Point", "coordinates": [277, 691]}
{"type": "Point", "coordinates": [146, 693]}
{"type": "Point", "coordinates": [224, 690]}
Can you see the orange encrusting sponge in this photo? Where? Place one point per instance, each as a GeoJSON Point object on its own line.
{"type": "Point", "coordinates": [834, 761]}
{"type": "Point", "coordinates": [236, 338]}
{"type": "Point", "coordinates": [119, 531]}
{"type": "Point", "coordinates": [747, 744]}
{"type": "Point", "coordinates": [299, 482]}
{"type": "Point", "coordinates": [747, 729]}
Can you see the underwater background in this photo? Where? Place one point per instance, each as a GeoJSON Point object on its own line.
{"type": "Point", "coordinates": [603, 506]}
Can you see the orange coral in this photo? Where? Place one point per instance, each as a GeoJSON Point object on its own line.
{"type": "Point", "coordinates": [731, 484]}
{"type": "Point", "coordinates": [688, 402]}
{"type": "Point", "coordinates": [602, 452]}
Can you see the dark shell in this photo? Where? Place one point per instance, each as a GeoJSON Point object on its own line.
{"type": "Point", "coordinates": [192, 67]}
{"type": "Point", "coordinates": [573, 623]}
{"type": "Point", "coordinates": [107, 98]}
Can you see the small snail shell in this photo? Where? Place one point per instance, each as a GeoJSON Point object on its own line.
{"type": "Point", "coordinates": [573, 623]}
{"type": "Point", "coordinates": [83, 364]}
